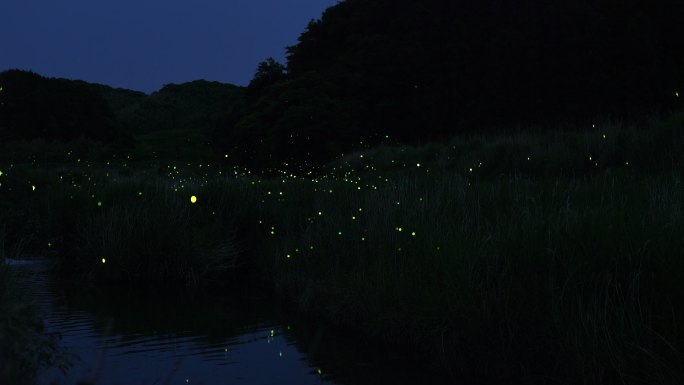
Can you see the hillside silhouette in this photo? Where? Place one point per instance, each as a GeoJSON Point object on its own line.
{"type": "Point", "coordinates": [38, 107]}
{"type": "Point", "coordinates": [419, 71]}
{"type": "Point", "coordinates": [379, 71]}
{"type": "Point", "coordinates": [32, 106]}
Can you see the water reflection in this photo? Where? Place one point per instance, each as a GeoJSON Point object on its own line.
{"type": "Point", "coordinates": [152, 337]}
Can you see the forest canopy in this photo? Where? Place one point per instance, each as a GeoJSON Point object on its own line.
{"type": "Point", "coordinates": [392, 71]}
{"type": "Point", "coordinates": [415, 71]}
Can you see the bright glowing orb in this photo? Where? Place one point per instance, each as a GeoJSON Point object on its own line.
{"type": "Point", "coordinates": [193, 199]}
{"type": "Point", "coordinates": [104, 260]}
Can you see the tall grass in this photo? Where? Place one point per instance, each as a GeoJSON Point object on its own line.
{"type": "Point", "coordinates": [507, 259]}
{"type": "Point", "coordinates": [569, 151]}
{"type": "Point", "coordinates": [563, 279]}
{"type": "Point", "coordinates": [144, 232]}
{"type": "Point", "coordinates": [24, 349]}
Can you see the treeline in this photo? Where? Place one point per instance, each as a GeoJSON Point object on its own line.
{"type": "Point", "coordinates": [394, 71]}
{"type": "Point", "coordinates": [37, 107]}
{"type": "Point", "coordinates": [32, 106]}
{"type": "Point", "coordinates": [414, 71]}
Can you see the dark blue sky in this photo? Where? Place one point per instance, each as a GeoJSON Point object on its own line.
{"type": "Point", "coordinates": [144, 44]}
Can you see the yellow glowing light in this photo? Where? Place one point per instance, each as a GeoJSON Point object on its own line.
{"type": "Point", "coordinates": [99, 204]}
{"type": "Point", "coordinates": [339, 233]}
{"type": "Point", "coordinates": [413, 233]}
{"type": "Point", "coordinates": [590, 158]}
{"type": "Point", "coordinates": [320, 213]}
{"type": "Point", "coordinates": [49, 244]}
{"type": "Point", "coordinates": [363, 238]}
{"type": "Point", "coordinates": [0, 172]}
{"type": "Point", "coordinates": [320, 371]}
{"type": "Point", "coordinates": [399, 229]}
{"type": "Point", "coordinates": [417, 164]}
{"type": "Point", "coordinates": [193, 199]}
{"type": "Point", "coordinates": [288, 255]}
{"type": "Point", "coordinates": [104, 260]}
{"type": "Point", "coordinates": [353, 218]}
{"type": "Point", "coordinates": [528, 158]}
{"type": "Point", "coordinates": [471, 169]}
{"type": "Point", "coordinates": [140, 192]}
{"type": "Point", "coordinates": [33, 187]}
{"type": "Point", "coordinates": [676, 93]}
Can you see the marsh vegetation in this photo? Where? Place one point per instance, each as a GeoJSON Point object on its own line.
{"type": "Point", "coordinates": [522, 256]}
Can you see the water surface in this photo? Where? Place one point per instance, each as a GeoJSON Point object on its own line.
{"type": "Point", "coordinates": [160, 337]}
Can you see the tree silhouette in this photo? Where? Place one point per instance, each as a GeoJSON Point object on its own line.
{"type": "Point", "coordinates": [420, 71]}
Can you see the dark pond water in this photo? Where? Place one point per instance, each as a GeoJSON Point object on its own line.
{"type": "Point", "coordinates": [123, 337]}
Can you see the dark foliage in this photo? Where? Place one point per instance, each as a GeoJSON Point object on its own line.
{"type": "Point", "coordinates": [32, 106]}
{"type": "Point", "coordinates": [424, 70]}
{"type": "Point", "coordinates": [198, 105]}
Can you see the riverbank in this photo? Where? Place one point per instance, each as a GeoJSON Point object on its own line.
{"type": "Point", "coordinates": [567, 273]}
{"type": "Point", "coordinates": [24, 348]}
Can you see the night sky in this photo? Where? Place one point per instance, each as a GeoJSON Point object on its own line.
{"type": "Point", "coordinates": [144, 44]}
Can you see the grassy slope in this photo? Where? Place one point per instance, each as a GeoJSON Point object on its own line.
{"type": "Point", "coordinates": [557, 267]}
